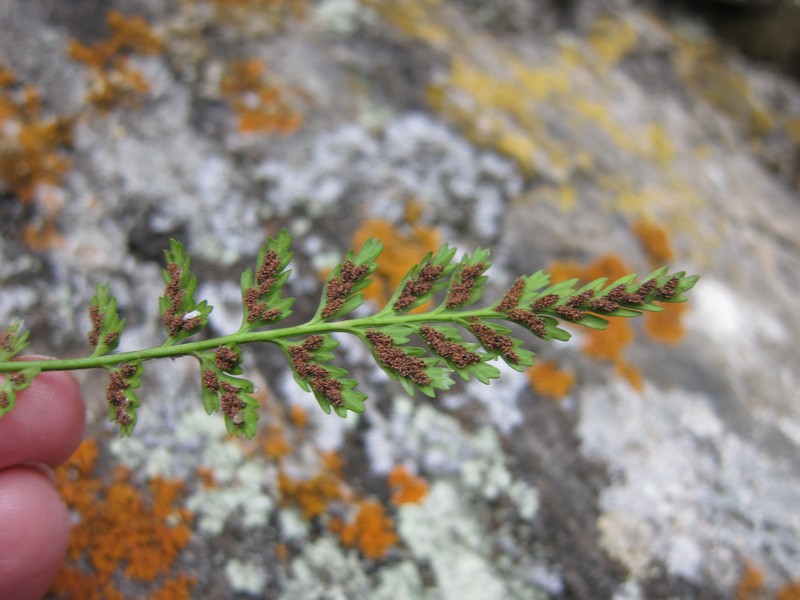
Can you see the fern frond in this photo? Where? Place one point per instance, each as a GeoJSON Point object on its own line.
{"type": "Point", "coordinates": [419, 349]}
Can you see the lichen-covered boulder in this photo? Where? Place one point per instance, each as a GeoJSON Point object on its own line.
{"type": "Point", "coordinates": [657, 459]}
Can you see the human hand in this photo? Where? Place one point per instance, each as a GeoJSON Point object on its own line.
{"type": "Point", "coordinates": [43, 430]}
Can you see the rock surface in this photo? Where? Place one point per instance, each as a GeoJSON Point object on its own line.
{"type": "Point", "coordinates": [585, 137]}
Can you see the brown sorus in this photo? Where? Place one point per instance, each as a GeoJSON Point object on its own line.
{"type": "Point", "coordinates": [393, 357]}
{"type": "Point", "coordinates": [462, 290]}
{"type": "Point", "coordinates": [453, 351]}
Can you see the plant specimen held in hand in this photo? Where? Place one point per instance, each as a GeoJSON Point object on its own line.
{"type": "Point", "coordinates": [421, 349]}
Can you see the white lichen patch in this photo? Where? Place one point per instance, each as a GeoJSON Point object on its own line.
{"type": "Point", "coordinates": [246, 577]}
{"type": "Point", "coordinates": [293, 525]}
{"type": "Point", "coordinates": [342, 17]}
{"type": "Point", "coordinates": [245, 489]}
{"type": "Point", "coordinates": [437, 442]}
{"type": "Point", "coordinates": [451, 529]}
{"type": "Point", "coordinates": [16, 300]}
{"type": "Point", "coordinates": [625, 538]}
{"type": "Point", "coordinates": [222, 222]}
{"type": "Point", "coordinates": [444, 531]}
{"type": "Point", "coordinates": [420, 433]}
{"type": "Point", "coordinates": [688, 492]}
{"type": "Point", "coordinates": [401, 582]}
{"type": "Point", "coordinates": [735, 326]}
{"type": "Point", "coordinates": [326, 570]}
{"type": "Point", "coordinates": [416, 157]}
{"type": "Point", "coordinates": [226, 298]}
{"type": "Point", "coordinates": [499, 398]}
{"type": "Point", "coordinates": [330, 428]}
{"type": "Point", "coordinates": [629, 590]}
{"type": "Point", "coordinates": [486, 474]}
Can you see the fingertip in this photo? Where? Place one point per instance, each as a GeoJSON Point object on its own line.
{"type": "Point", "coordinates": [47, 423]}
{"type": "Point", "coordinates": [34, 525]}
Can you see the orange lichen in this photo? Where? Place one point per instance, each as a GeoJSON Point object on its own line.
{"type": "Point", "coordinates": [608, 265]}
{"type": "Point", "coordinates": [7, 78]}
{"type": "Point", "coordinates": [563, 270]}
{"type": "Point", "coordinates": [372, 532]}
{"type": "Point", "coordinates": [131, 35]}
{"type": "Point", "coordinates": [299, 416]}
{"type": "Point", "coordinates": [609, 344]}
{"type": "Point", "coordinates": [119, 531]}
{"type": "Point", "coordinates": [206, 477]}
{"type": "Point", "coordinates": [41, 234]}
{"type": "Point", "coordinates": [654, 240]}
{"type": "Point", "coordinates": [751, 584]}
{"type": "Point", "coordinates": [630, 373]}
{"type": "Point", "coordinates": [403, 248]}
{"type": "Point", "coordinates": [281, 551]}
{"type": "Point", "coordinates": [178, 588]}
{"type": "Point", "coordinates": [115, 80]}
{"type": "Point", "coordinates": [666, 327]}
{"type": "Point", "coordinates": [274, 444]}
{"type": "Point", "coordinates": [313, 496]}
{"type": "Point", "coordinates": [406, 487]}
{"type": "Point", "coordinates": [790, 591]}
{"type": "Point", "coordinates": [260, 106]}
{"type": "Point", "coordinates": [122, 85]}
{"type": "Point", "coordinates": [33, 151]}
{"type": "Point", "coordinates": [547, 379]}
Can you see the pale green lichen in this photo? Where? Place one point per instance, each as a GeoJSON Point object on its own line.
{"type": "Point", "coordinates": [401, 582]}
{"type": "Point", "coordinates": [488, 475]}
{"type": "Point", "coordinates": [442, 446]}
{"type": "Point", "coordinates": [245, 485]}
{"type": "Point", "coordinates": [446, 532]}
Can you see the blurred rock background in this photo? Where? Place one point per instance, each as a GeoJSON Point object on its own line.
{"type": "Point", "coordinates": [591, 138]}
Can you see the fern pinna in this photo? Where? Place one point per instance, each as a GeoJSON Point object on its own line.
{"type": "Point", "coordinates": [430, 329]}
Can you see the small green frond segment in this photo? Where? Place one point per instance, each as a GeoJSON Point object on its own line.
{"type": "Point", "coordinates": [106, 323]}
{"type": "Point", "coordinates": [466, 284]}
{"type": "Point", "coordinates": [592, 322]}
{"type": "Point", "coordinates": [342, 293]}
{"type": "Point", "coordinates": [238, 405]}
{"type": "Point", "coordinates": [330, 384]}
{"type": "Point", "coordinates": [685, 283]}
{"type": "Point", "coordinates": [497, 341]}
{"type": "Point", "coordinates": [261, 288]}
{"type": "Point", "coordinates": [422, 281]}
{"type": "Point", "coordinates": [408, 365]}
{"type": "Point", "coordinates": [525, 291]}
{"type": "Point", "coordinates": [13, 340]}
{"type": "Point", "coordinates": [461, 357]}
{"type": "Point", "coordinates": [13, 383]}
{"type": "Point", "coordinates": [181, 314]}
{"type": "Point", "coordinates": [224, 389]}
{"type": "Point", "coordinates": [123, 401]}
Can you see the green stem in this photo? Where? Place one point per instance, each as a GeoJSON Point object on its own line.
{"type": "Point", "coordinates": [270, 335]}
